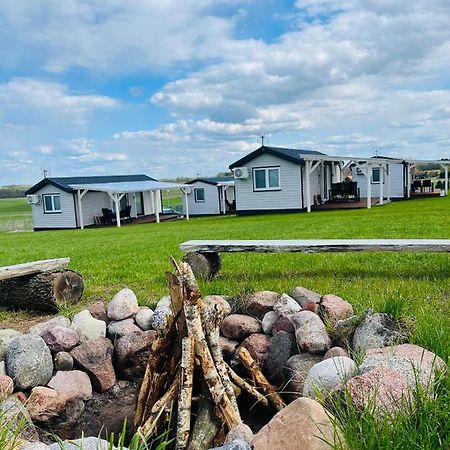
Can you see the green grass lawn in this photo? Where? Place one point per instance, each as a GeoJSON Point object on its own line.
{"type": "Point", "coordinates": [15, 214]}
{"type": "Point", "coordinates": [416, 286]}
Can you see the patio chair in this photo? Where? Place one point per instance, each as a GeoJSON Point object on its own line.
{"type": "Point", "coordinates": [108, 216]}
{"type": "Point", "coordinates": [417, 185]}
{"type": "Point", "coordinates": [125, 213]}
{"type": "Point", "coordinates": [428, 184]}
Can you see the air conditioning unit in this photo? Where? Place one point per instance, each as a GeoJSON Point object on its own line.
{"type": "Point", "coordinates": [33, 199]}
{"type": "Point", "coordinates": [240, 173]}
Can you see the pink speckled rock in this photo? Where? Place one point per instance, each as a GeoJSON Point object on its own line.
{"type": "Point", "coordinates": [382, 389]}
{"type": "Point", "coordinates": [258, 345]}
{"type": "Point", "coordinates": [239, 326]}
{"type": "Point", "coordinates": [334, 308]}
{"type": "Point", "coordinates": [6, 386]}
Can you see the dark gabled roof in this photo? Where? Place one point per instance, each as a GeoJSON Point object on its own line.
{"type": "Point", "coordinates": [289, 154]}
{"type": "Point", "coordinates": [64, 183]}
{"type": "Point", "coordinates": [212, 180]}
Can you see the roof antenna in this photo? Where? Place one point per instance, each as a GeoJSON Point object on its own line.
{"type": "Point", "coordinates": [262, 139]}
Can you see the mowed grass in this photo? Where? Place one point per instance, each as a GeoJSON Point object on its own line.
{"type": "Point", "coordinates": [415, 286]}
{"type": "Point", "coordinates": [15, 214]}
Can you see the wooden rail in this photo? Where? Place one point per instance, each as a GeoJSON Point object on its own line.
{"type": "Point", "coordinates": [318, 246]}
{"type": "Point", "coordinates": [31, 268]}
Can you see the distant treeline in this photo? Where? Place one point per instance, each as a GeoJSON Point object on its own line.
{"type": "Point", "coordinates": [13, 191]}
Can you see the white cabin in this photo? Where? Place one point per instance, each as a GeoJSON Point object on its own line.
{"type": "Point", "coordinates": [273, 179]}
{"type": "Point", "coordinates": [210, 196]}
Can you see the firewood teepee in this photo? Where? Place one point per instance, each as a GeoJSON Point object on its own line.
{"type": "Point", "coordinates": [186, 366]}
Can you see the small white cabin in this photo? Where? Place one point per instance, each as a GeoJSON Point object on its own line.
{"type": "Point", "coordinates": [78, 202]}
{"type": "Point", "coordinates": [395, 174]}
{"type": "Point", "coordinates": [273, 179]}
{"type": "Point", "coordinates": [210, 196]}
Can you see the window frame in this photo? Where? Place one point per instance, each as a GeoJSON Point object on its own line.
{"type": "Point", "coordinates": [266, 170]}
{"type": "Point", "coordinates": [196, 190]}
{"type": "Point", "coordinates": [379, 175]}
{"type": "Point", "coordinates": [52, 196]}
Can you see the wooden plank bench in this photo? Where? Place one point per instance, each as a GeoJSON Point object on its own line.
{"type": "Point", "coordinates": [203, 256]}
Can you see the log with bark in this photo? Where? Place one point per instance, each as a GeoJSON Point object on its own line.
{"type": "Point", "coordinates": [40, 286]}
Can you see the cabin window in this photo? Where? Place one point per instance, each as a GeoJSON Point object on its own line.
{"type": "Point", "coordinates": [199, 195]}
{"type": "Point", "coordinates": [266, 179]}
{"type": "Point", "coordinates": [376, 175]}
{"type": "Point", "coordinates": [52, 203]}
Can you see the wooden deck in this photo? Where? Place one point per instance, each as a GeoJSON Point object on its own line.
{"type": "Point", "coordinates": [346, 205]}
{"type": "Point", "coordinates": [149, 218]}
{"type": "Point", "coordinates": [425, 194]}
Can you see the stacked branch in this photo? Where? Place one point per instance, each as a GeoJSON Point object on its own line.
{"type": "Point", "coordinates": [186, 372]}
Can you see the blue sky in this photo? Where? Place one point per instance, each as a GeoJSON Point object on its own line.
{"type": "Point", "coordinates": [179, 88]}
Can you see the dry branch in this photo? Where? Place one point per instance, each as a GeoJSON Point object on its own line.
{"type": "Point", "coordinates": [195, 329]}
{"type": "Point", "coordinates": [253, 369]}
{"type": "Point", "coordinates": [247, 387]}
{"type": "Point", "coordinates": [185, 396]}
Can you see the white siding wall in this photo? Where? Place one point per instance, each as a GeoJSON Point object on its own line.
{"type": "Point", "coordinates": [148, 204]}
{"type": "Point", "coordinates": [396, 174]}
{"type": "Point", "coordinates": [314, 183]}
{"type": "Point", "coordinates": [289, 197]}
{"type": "Point", "coordinates": [65, 219]}
{"type": "Point", "coordinates": [92, 204]}
{"type": "Point", "coordinates": [211, 203]}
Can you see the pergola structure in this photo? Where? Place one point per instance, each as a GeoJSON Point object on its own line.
{"type": "Point", "coordinates": [223, 186]}
{"type": "Point", "coordinates": [365, 165]}
{"type": "Point", "coordinates": [117, 190]}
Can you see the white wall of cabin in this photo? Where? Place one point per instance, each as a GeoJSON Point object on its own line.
{"type": "Point", "coordinates": [64, 219]}
{"type": "Point", "coordinates": [397, 182]}
{"type": "Point", "coordinates": [209, 206]}
{"type": "Point", "coordinates": [288, 197]}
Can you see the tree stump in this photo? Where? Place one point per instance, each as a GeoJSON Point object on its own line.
{"type": "Point", "coordinates": [46, 291]}
{"type": "Point", "coordinates": [204, 265]}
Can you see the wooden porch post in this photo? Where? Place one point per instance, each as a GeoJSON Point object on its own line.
{"type": "Point", "coordinates": [369, 185]}
{"type": "Point", "coordinates": [185, 192]}
{"type": "Point", "coordinates": [322, 180]}
{"type": "Point", "coordinates": [307, 185]}
{"type": "Point", "coordinates": [445, 166]}
{"type": "Point", "coordinates": [80, 208]}
{"type": "Point", "coordinates": [388, 178]}
{"type": "Point", "coordinates": [381, 184]}
{"type": "Point", "coordinates": [157, 204]}
{"type": "Point", "coordinates": [224, 206]}
{"type": "Point", "coordinates": [117, 203]}
{"type": "Point", "coordinates": [408, 180]}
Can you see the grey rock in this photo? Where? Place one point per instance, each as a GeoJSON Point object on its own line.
{"type": "Point", "coordinates": [63, 361]}
{"type": "Point", "coordinates": [123, 305]}
{"type": "Point", "coordinates": [87, 443]}
{"type": "Point", "coordinates": [143, 318]}
{"type": "Point", "coordinates": [305, 298]}
{"type": "Point", "coordinates": [87, 327]}
{"type": "Point", "coordinates": [310, 332]}
{"type": "Point", "coordinates": [282, 346]}
{"type": "Point", "coordinates": [29, 361]}
{"type": "Point", "coordinates": [2, 368]}
{"type": "Point", "coordinates": [242, 433]}
{"type": "Point", "coordinates": [6, 336]}
{"type": "Point", "coordinates": [326, 375]}
{"type": "Point", "coordinates": [163, 312]}
{"type": "Point", "coordinates": [234, 445]}
{"type": "Point", "coordinates": [59, 321]}
{"type": "Point", "coordinates": [286, 305]}
{"type": "Point", "coordinates": [34, 446]}
{"type": "Point", "coordinates": [239, 326]}
{"type": "Point", "coordinates": [375, 331]}
{"type": "Point", "coordinates": [268, 321]}
{"type": "Point", "coordinates": [343, 331]}
{"type": "Point", "coordinates": [335, 351]}
{"type": "Point", "coordinates": [121, 328]}
{"type": "Point", "coordinates": [295, 372]}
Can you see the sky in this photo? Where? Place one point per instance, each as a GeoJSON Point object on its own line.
{"type": "Point", "coordinates": [185, 87]}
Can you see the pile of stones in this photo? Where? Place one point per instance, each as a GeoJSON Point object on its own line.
{"type": "Point", "coordinates": [70, 376]}
{"type": "Point", "coordinates": [63, 374]}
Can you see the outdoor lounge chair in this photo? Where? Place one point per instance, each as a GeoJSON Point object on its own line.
{"type": "Point", "coordinates": [108, 216]}
{"type": "Point", "coordinates": [125, 213]}
{"type": "Point", "coordinates": [428, 184]}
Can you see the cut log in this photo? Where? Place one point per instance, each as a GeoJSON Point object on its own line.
{"type": "Point", "coordinates": [204, 265]}
{"type": "Point", "coordinates": [254, 371]}
{"type": "Point", "coordinates": [31, 268]}
{"type": "Point", "coordinates": [185, 396]}
{"type": "Point", "coordinates": [46, 291]}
